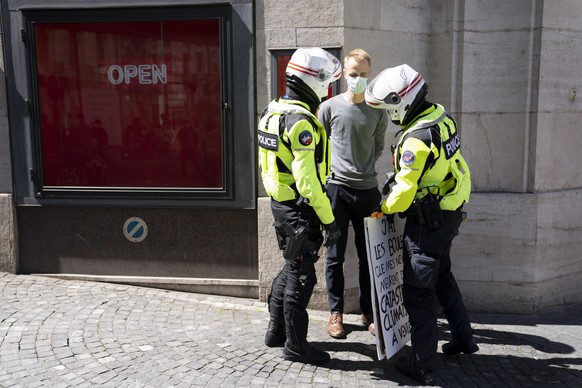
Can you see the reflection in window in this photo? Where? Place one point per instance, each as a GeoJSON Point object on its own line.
{"type": "Point", "coordinates": [131, 104]}
{"type": "Point", "coordinates": [282, 61]}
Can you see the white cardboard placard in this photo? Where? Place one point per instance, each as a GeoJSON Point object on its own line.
{"type": "Point", "coordinates": [385, 252]}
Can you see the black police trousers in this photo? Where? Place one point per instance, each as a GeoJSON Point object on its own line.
{"type": "Point", "coordinates": [427, 274]}
{"type": "Point", "coordinates": [293, 286]}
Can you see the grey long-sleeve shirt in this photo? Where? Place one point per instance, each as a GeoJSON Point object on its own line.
{"type": "Point", "coordinates": [357, 134]}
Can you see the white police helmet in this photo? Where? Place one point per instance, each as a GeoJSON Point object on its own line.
{"type": "Point", "coordinates": [398, 90]}
{"type": "Point", "coordinates": [316, 68]}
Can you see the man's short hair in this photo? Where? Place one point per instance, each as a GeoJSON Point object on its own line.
{"type": "Point", "coordinates": [359, 55]}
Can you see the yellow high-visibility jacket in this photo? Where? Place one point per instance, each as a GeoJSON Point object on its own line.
{"type": "Point", "coordinates": [428, 158]}
{"type": "Point", "coordinates": [294, 156]}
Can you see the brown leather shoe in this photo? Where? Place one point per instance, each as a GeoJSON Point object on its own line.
{"type": "Point", "coordinates": [335, 327]}
{"type": "Point", "coordinates": [368, 321]}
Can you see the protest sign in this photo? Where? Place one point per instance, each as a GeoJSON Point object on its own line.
{"type": "Point", "coordinates": [385, 252]}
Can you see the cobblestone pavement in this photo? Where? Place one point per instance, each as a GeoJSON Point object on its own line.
{"type": "Point", "coordinates": [62, 333]}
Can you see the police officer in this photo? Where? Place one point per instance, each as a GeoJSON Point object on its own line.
{"type": "Point", "coordinates": [432, 183]}
{"type": "Point", "coordinates": [294, 161]}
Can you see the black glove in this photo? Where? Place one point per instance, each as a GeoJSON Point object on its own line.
{"type": "Point", "coordinates": [332, 234]}
{"type": "Point", "coordinates": [390, 178]}
{"type": "Point", "coordinates": [377, 213]}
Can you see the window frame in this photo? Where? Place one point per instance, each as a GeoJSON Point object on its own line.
{"type": "Point", "coordinates": [239, 183]}
{"type": "Point", "coordinates": [278, 52]}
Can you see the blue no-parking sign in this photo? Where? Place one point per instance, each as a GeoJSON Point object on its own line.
{"type": "Point", "coordinates": [135, 229]}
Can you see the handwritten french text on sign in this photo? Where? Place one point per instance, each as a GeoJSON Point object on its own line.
{"type": "Point", "coordinates": [384, 244]}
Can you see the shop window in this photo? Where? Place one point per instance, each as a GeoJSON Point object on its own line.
{"type": "Point", "coordinates": [130, 104]}
{"type": "Point", "coordinates": [279, 60]}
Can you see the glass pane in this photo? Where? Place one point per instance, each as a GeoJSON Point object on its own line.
{"type": "Point", "coordinates": [131, 104]}
{"type": "Point", "coordinates": [282, 61]}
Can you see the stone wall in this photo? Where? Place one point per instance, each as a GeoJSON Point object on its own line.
{"type": "Point", "coordinates": [520, 130]}
{"type": "Point", "coordinates": [506, 71]}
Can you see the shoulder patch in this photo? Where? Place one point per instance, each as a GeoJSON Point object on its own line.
{"type": "Point", "coordinates": [305, 138]}
{"type": "Point", "coordinates": [408, 158]}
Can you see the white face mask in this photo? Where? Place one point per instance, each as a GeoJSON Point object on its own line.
{"type": "Point", "coordinates": [357, 84]}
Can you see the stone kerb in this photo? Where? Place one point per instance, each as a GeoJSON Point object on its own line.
{"type": "Point", "coordinates": [8, 250]}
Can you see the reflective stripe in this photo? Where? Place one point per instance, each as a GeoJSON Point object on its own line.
{"type": "Point", "coordinates": [411, 85]}
{"type": "Point", "coordinates": [302, 69]}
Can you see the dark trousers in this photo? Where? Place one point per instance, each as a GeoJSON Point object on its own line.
{"type": "Point", "coordinates": [427, 274]}
{"type": "Point", "coordinates": [349, 205]}
{"type": "Point", "coordinates": [293, 286]}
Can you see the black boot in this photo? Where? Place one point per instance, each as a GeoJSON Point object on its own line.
{"type": "Point", "coordinates": [423, 376]}
{"type": "Point", "coordinates": [454, 347]}
{"type": "Point", "coordinates": [296, 346]}
{"type": "Point", "coordinates": [297, 294]}
{"type": "Point", "coordinates": [305, 353]}
{"type": "Point", "coordinates": [275, 336]}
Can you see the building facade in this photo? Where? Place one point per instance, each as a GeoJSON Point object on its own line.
{"type": "Point", "coordinates": [507, 71]}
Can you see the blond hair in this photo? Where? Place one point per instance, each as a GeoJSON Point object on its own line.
{"type": "Point", "coordinates": [359, 55]}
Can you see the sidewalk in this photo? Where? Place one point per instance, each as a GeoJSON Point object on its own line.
{"type": "Point", "coordinates": [61, 333]}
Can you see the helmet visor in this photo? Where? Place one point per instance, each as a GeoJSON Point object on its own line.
{"type": "Point", "coordinates": [381, 91]}
{"type": "Point", "coordinates": [329, 68]}
{"type": "Point", "coordinates": [392, 98]}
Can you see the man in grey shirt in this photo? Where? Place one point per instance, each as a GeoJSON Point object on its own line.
{"type": "Point", "coordinates": [357, 134]}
